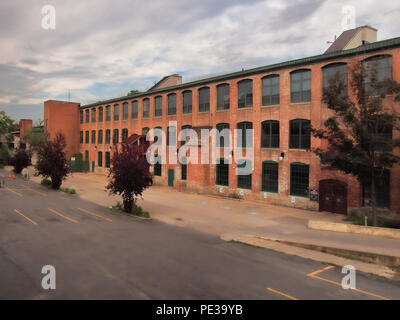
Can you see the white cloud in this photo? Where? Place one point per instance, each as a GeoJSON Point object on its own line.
{"type": "Point", "coordinates": [122, 44]}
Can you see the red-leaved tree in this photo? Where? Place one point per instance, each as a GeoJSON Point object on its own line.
{"type": "Point", "coordinates": [52, 160]}
{"type": "Point", "coordinates": [129, 174]}
{"type": "Point", "coordinates": [21, 159]}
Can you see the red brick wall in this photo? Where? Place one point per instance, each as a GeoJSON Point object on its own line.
{"type": "Point", "coordinates": [61, 116]}
{"type": "Point", "coordinates": [24, 124]}
{"type": "Point", "coordinates": [202, 177]}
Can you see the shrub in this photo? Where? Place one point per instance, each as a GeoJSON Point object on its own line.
{"type": "Point", "coordinates": [21, 159]}
{"type": "Point", "coordinates": [45, 182]}
{"type": "Point", "coordinates": [71, 190]}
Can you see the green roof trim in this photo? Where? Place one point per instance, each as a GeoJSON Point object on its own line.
{"type": "Point", "coordinates": [367, 48]}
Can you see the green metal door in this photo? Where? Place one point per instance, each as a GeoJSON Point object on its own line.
{"type": "Point", "coordinates": [92, 166]}
{"type": "Point", "coordinates": [170, 177]}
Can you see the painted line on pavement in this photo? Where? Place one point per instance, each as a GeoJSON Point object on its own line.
{"type": "Point", "coordinates": [15, 192]}
{"type": "Point", "coordinates": [314, 275]}
{"type": "Point", "coordinates": [94, 214]}
{"type": "Point", "coordinates": [61, 215]}
{"type": "Point", "coordinates": [282, 294]}
{"type": "Point", "coordinates": [29, 219]}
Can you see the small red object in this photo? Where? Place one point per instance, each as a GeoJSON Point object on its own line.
{"type": "Point", "coordinates": [13, 177]}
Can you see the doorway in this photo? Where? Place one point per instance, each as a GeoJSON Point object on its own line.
{"type": "Point", "coordinates": [170, 177]}
{"type": "Point", "coordinates": [333, 196]}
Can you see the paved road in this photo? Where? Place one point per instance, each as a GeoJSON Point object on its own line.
{"type": "Point", "coordinates": [99, 254]}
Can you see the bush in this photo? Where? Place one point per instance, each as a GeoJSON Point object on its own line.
{"type": "Point", "coordinates": [136, 210]}
{"type": "Point", "coordinates": [71, 190]}
{"type": "Point", "coordinates": [4, 156]}
{"type": "Point", "coordinates": [21, 159]}
{"type": "Point", "coordinates": [45, 182]}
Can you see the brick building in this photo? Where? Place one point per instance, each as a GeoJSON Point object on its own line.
{"type": "Point", "coordinates": [279, 102]}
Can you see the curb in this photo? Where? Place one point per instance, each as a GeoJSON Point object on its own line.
{"type": "Point", "coordinates": [351, 228]}
{"type": "Point", "coordinates": [296, 249]}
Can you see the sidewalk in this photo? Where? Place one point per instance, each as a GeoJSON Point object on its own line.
{"type": "Point", "coordinates": [230, 218]}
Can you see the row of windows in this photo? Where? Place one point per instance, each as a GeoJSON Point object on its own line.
{"type": "Point", "coordinates": [299, 176]}
{"type": "Point", "coordinates": [299, 137]}
{"type": "Point", "coordinates": [300, 91]}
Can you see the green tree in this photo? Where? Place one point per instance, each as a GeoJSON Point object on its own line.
{"type": "Point", "coordinates": [6, 137]}
{"type": "Point", "coordinates": [360, 131]}
{"type": "Point", "coordinates": [35, 136]}
{"type": "Point", "coordinates": [132, 92]}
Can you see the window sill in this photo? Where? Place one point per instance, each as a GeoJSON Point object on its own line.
{"type": "Point", "coordinates": [245, 108]}
{"type": "Point", "coordinates": [272, 149]}
{"type": "Point", "coordinates": [298, 196]}
{"type": "Point", "coordinates": [291, 149]}
{"type": "Point", "coordinates": [271, 106]}
{"type": "Point", "coordinates": [223, 110]}
{"type": "Point", "coordinates": [272, 192]}
{"type": "Point", "coordinates": [300, 103]}
{"type": "Point", "coordinates": [203, 112]}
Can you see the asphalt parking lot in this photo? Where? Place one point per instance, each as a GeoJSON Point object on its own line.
{"type": "Point", "coordinates": [101, 254]}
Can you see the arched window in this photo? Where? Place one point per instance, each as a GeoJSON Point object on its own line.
{"type": "Point", "coordinates": [270, 175]}
{"type": "Point", "coordinates": [93, 115]}
{"type": "Point", "coordinates": [100, 159]}
{"type": "Point", "coordinates": [146, 108]}
{"type": "Point", "coordinates": [187, 102]}
{"type": "Point", "coordinates": [87, 115]}
{"type": "Point", "coordinates": [300, 86]}
{"type": "Point", "coordinates": [93, 137]}
{"type": "Point", "coordinates": [333, 70]}
{"type": "Point", "coordinates": [100, 117]}
{"type": "Point", "coordinates": [300, 134]}
{"type": "Point", "coordinates": [223, 135]}
{"type": "Point", "coordinates": [115, 136]}
{"type": "Point", "coordinates": [270, 90]}
{"type": "Point", "coordinates": [204, 99]}
{"type": "Point", "coordinates": [380, 68]}
{"type": "Point", "coordinates": [100, 137]}
{"type": "Point", "coordinates": [108, 136]}
{"type": "Point", "coordinates": [270, 134]}
{"type": "Point", "coordinates": [245, 134]}
{"type": "Point", "coordinates": [81, 116]}
{"type": "Point", "coordinates": [108, 113]}
{"type": "Point", "coordinates": [171, 104]}
{"type": "Point", "coordinates": [245, 93]}
{"type": "Point", "coordinates": [299, 179]}
{"type": "Point", "coordinates": [183, 134]}
{"type": "Point", "coordinates": [124, 134]}
{"type": "Point", "coordinates": [125, 111]}
{"type": "Point", "coordinates": [158, 106]}
{"type": "Point", "coordinates": [223, 96]}
{"type": "Point", "coordinates": [135, 109]}
{"type": "Point", "coordinates": [116, 112]}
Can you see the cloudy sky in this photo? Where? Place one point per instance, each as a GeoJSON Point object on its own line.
{"type": "Point", "coordinates": [104, 48]}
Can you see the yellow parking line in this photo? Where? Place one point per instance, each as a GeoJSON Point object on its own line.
{"type": "Point", "coordinates": [15, 192]}
{"type": "Point", "coordinates": [61, 215]}
{"type": "Point", "coordinates": [94, 214]}
{"type": "Point", "coordinates": [38, 192]}
{"type": "Point", "coordinates": [282, 294]}
{"type": "Point", "coordinates": [30, 220]}
{"type": "Point", "coordinates": [313, 275]}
